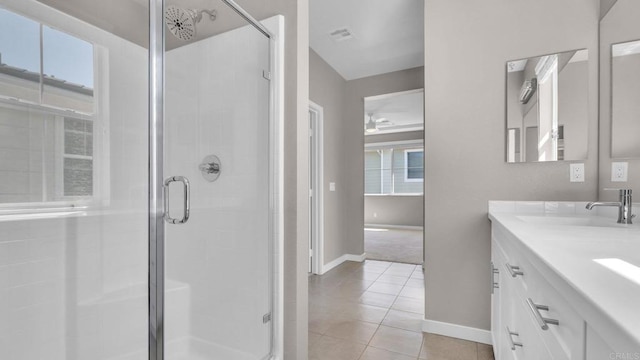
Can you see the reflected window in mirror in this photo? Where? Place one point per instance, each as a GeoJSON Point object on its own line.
{"type": "Point", "coordinates": [625, 100]}
{"type": "Point", "coordinates": [547, 108]}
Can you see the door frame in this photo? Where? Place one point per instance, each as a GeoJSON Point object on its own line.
{"type": "Point", "coordinates": [317, 209]}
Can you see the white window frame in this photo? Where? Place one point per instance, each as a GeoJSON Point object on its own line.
{"type": "Point", "coordinates": [100, 116]}
{"type": "Point", "coordinates": [406, 165]}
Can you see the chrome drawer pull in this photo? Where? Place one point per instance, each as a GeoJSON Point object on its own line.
{"type": "Point", "coordinates": [542, 321]}
{"type": "Point", "coordinates": [514, 270]}
{"type": "Point", "coordinates": [510, 335]}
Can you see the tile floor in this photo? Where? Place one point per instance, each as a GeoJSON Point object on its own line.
{"type": "Point", "coordinates": [373, 311]}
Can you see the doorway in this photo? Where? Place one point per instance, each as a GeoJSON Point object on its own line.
{"type": "Point", "coordinates": [316, 209]}
{"type": "Point", "coordinates": [394, 177]}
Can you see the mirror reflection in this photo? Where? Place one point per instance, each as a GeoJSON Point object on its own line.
{"type": "Point", "coordinates": [547, 107]}
{"type": "Point", "coordinates": [625, 104]}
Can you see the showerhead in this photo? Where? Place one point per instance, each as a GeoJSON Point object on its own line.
{"type": "Point", "coordinates": [182, 22]}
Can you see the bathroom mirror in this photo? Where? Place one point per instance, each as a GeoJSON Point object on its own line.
{"type": "Point", "coordinates": [625, 99]}
{"type": "Point", "coordinates": [547, 107]}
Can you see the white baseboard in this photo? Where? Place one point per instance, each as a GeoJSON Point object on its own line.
{"type": "Point", "coordinates": [399, 227]}
{"type": "Point", "coordinates": [346, 257]}
{"type": "Point", "coordinates": [457, 331]}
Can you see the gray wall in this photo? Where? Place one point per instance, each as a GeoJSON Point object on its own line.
{"type": "Point", "coordinates": [402, 210]}
{"type": "Point", "coordinates": [327, 89]}
{"type": "Point", "coordinates": [619, 25]}
{"type": "Point", "coordinates": [470, 104]}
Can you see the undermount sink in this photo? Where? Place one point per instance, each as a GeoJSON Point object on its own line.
{"type": "Point", "coordinates": [596, 221]}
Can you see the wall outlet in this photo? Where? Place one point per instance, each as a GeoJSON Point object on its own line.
{"type": "Point", "coordinates": [576, 172]}
{"type": "Point", "coordinates": [619, 171]}
{"type": "Point", "coordinates": [332, 186]}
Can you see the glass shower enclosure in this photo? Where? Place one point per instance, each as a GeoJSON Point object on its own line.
{"type": "Point", "coordinates": [138, 200]}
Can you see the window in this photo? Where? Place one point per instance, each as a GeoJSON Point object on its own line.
{"type": "Point", "coordinates": [394, 168]}
{"type": "Point", "coordinates": [47, 113]}
{"type": "Point", "coordinates": [77, 176]}
{"type": "Point", "coordinates": [413, 165]}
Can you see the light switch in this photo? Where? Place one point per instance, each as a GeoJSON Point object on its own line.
{"type": "Point", "coordinates": [576, 172]}
{"type": "Point", "coordinates": [332, 186]}
{"type": "Point", "coordinates": [619, 171]}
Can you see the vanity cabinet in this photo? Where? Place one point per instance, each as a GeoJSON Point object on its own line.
{"type": "Point", "coordinates": [531, 319]}
{"type": "Point", "coordinates": [516, 334]}
{"type": "Point", "coordinates": [564, 286]}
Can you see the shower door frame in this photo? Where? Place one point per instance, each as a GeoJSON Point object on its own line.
{"type": "Point", "coordinates": [156, 214]}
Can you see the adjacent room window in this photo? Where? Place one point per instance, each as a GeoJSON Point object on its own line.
{"type": "Point", "coordinates": [394, 169]}
{"type": "Point", "coordinates": [413, 165]}
{"type": "Point", "coordinates": [47, 116]}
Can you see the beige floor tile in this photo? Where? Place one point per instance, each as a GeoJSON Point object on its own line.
{"type": "Point", "coordinates": [320, 323]}
{"type": "Point", "coordinates": [372, 353]}
{"type": "Point", "coordinates": [404, 320]}
{"type": "Point", "coordinates": [377, 264]}
{"type": "Point", "coordinates": [399, 272]}
{"type": "Point", "coordinates": [412, 292]}
{"type": "Point", "coordinates": [409, 304]}
{"type": "Point", "coordinates": [417, 275]}
{"type": "Point", "coordinates": [397, 340]}
{"type": "Point", "coordinates": [485, 352]}
{"type": "Point", "coordinates": [374, 269]}
{"type": "Point", "coordinates": [363, 312]}
{"type": "Point", "coordinates": [447, 348]}
{"type": "Point", "coordinates": [377, 299]}
{"type": "Point", "coordinates": [349, 289]}
{"type": "Point", "coordinates": [411, 267]}
{"type": "Point", "coordinates": [392, 279]}
{"type": "Point", "coordinates": [364, 275]}
{"type": "Point", "coordinates": [328, 348]}
{"type": "Point", "coordinates": [416, 283]}
{"type": "Point", "coordinates": [352, 330]}
{"type": "Point", "coordinates": [385, 288]}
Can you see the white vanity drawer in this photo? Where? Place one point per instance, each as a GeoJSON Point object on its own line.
{"type": "Point", "coordinates": [516, 267]}
{"type": "Point", "coordinates": [565, 340]}
{"type": "Point", "coordinates": [521, 340]}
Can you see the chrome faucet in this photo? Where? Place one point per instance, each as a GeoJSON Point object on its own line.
{"type": "Point", "coordinates": [624, 206]}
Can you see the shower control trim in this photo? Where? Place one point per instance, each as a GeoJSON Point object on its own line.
{"type": "Point", "coordinates": [210, 168]}
{"type": "Point", "coordinates": [187, 200]}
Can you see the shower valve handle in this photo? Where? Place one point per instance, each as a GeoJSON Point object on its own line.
{"type": "Point", "coordinates": [209, 168]}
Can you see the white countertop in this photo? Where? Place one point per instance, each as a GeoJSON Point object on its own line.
{"type": "Point", "coordinates": [597, 257]}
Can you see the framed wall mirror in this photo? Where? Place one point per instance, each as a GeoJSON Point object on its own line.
{"type": "Point", "coordinates": [625, 99]}
{"type": "Point", "coordinates": [547, 107]}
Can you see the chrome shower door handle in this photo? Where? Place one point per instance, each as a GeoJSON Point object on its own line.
{"type": "Point", "coordinates": [187, 200]}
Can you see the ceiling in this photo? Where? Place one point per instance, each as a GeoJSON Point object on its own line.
{"type": "Point", "coordinates": [397, 112]}
{"type": "Point", "coordinates": [387, 35]}
{"type": "Point", "coordinates": [129, 19]}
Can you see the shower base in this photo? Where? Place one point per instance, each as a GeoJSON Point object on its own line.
{"type": "Point", "coordinates": [192, 348]}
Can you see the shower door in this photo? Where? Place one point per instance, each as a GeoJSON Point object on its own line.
{"type": "Point", "coordinates": [216, 179]}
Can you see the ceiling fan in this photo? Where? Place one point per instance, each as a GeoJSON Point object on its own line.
{"type": "Point", "coordinates": [372, 125]}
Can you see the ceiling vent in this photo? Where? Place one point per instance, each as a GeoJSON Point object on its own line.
{"type": "Point", "coordinates": [341, 34]}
